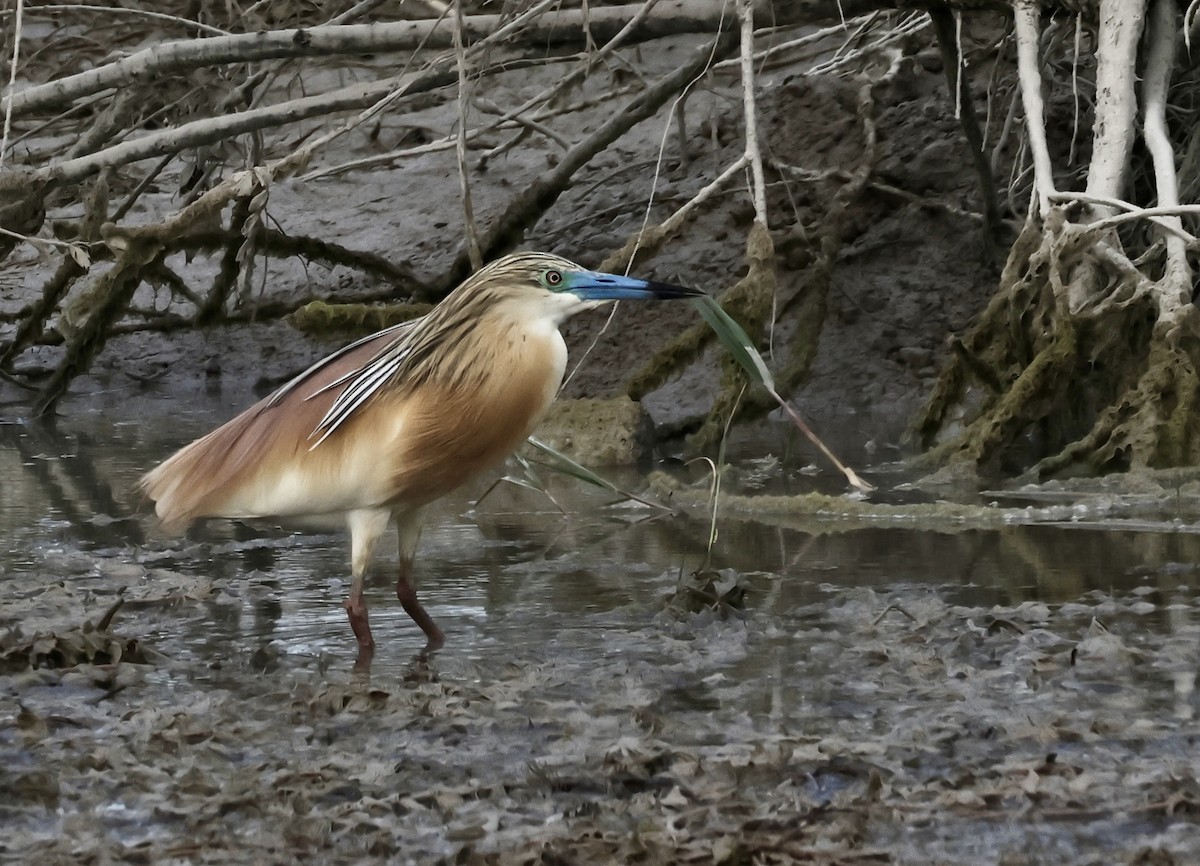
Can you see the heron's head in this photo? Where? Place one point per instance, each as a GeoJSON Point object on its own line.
{"type": "Point", "coordinates": [560, 288]}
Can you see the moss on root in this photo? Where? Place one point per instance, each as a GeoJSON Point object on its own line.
{"type": "Point", "coordinates": [319, 318]}
{"type": "Point", "coordinates": [1089, 387]}
{"type": "Point", "coordinates": [1153, 424]}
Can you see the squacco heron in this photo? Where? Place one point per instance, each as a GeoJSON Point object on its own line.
{"type": "Point", "coordinates": [381, 428]}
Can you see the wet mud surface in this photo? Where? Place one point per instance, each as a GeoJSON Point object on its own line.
{"type": "Point", "coordinates": [879, 693]}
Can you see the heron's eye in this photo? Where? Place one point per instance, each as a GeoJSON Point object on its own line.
{"type": "Point", "coordinates": [554, 278]}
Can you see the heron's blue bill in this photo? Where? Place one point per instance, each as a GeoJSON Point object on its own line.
{"type": "Point", "coordinates": [596, 286]}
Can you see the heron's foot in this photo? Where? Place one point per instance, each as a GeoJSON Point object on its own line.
{"type": "Point", "coordinates": [434, 639]}
{"type": "Point", "coordinates": [362, 662]}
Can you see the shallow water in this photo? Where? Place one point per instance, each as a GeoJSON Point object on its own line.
{"type": "Point", "coordinates": [883, 689]}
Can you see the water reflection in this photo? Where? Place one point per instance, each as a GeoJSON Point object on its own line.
{"type": "Point", "coordinates": [515, 573]}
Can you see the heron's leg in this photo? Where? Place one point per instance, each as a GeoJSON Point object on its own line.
{"type": "Point", "coordinates": [365, 528]}
{"type": "Point", "coordinates": [407, 594]}
{"type": "Point", "coordinates": [409, 526]}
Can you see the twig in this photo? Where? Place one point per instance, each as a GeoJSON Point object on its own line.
{"type": "Point", "coordinates": [589, 61]}
{"type": "Point", "coordinates": [807, 39]}
{"type": "Point", "coordinates": [355, 11]}
{"type": "Point", "coordinates": [745, 13]}
{"type": "Point", "coordinates": [844, 57]}
{"type": "Point", "coordinates": [52, 242]}
{"type": "Point", "coordinates": [507, 119]}
{"type": "Point", "coordinates": [460, 149]}
{"type": "Point", "coordinates": [107, 10]}
{"type": "Point", "coordinates": [383, 158]}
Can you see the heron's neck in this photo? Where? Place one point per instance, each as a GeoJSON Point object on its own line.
{"type": "Point", "coordinates": [512, 338]}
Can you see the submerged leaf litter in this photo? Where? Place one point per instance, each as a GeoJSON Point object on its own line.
{"type": "Point", "coordinates": [867, 726]}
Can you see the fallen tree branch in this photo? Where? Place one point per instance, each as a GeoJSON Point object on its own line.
{"type": "Point", "coordinates": [111, 291]}
{"type": "Point", "coordinates": [557, 27]}
{"type": "Point", "coordinates": [213, 129]}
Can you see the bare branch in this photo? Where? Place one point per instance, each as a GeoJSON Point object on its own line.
{"type": "Point", "coordinates": [558, 27]}
{"type": "Point", "coordinates": [1028, 14]}
{"type": "Point", "coordinates": [753, 153]}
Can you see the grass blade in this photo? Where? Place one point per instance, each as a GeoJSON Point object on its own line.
{"type": "Point", "coordinates": [560, 462]}
{"type": "Point", "coordinates": [739, 345]}
{"type": "Point", "coordinates": [735, 340]}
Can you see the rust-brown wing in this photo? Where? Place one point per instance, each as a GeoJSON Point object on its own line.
{"type": "Point", "coordinates": [203, 478]}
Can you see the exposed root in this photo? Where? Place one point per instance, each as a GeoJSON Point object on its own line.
{"type": "Point", "coordinates": [1098, 387]}
{"type": "Point", "coordinates": [1153, 424]}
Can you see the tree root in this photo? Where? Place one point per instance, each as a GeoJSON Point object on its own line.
{"type": "Point", "coordinates": [1154, 424]}
{"type": "Point", "coordinates": [1043, 381]}
{"type": "Point", "coordinates": [1108, 386]}
{"type": "Point", "coordinates": [977, 356]}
